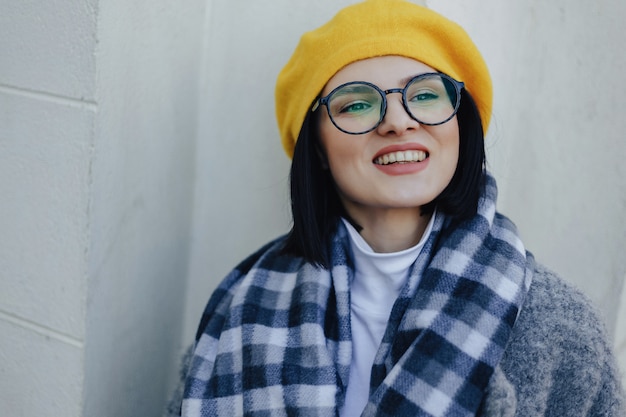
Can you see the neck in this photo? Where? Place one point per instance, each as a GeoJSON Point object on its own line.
{"type": "Point", "coordinates": [390, 230]}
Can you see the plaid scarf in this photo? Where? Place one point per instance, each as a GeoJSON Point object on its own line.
{"type": "Point", "coordinates": [274, 339]}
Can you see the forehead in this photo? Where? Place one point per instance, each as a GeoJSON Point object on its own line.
{"type": "Point", "coordinates": [384, 71]}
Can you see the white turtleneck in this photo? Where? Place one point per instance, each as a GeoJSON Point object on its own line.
{"type": "Point", "coordinates": [378, 280]}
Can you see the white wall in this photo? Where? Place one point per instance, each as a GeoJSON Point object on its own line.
{"type": "Point", "coordinates": [149, 56]}
{"type": "Point", "coordinates": [98, 114]}
{"type": "Point", "coordinates": [47, 116]}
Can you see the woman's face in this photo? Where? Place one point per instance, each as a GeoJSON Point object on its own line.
{"type": "Point", "coordinates": [366, 182]}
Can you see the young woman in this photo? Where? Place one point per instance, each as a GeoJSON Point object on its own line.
{"type": "Point", "coordinates": [400, 291]}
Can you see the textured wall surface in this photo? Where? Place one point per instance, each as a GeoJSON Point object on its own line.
{"type": "Point", "coordinates": [143, 173]}
{"type": "Point", "coordinates": [97, 136]}
{"type": "Point", "coordinates": [47, 114]}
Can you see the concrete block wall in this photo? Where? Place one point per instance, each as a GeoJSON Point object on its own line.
{"type": "Point", "coordinates": [47, 117]}
{"type": "Point", "coordinates": [149, 56]}
{"type": "Point", "coordinates": [97, 136]}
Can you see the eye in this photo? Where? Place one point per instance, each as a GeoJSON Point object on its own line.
{"type": "Point", "coordinates": [424, 96]}
{"type": "Point", "coordinates": [355, 107]}
{"type": "Point", "coordinates": [354, 100]}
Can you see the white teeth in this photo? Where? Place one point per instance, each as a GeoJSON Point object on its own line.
{"type": "Point", "coordinates": [401, 156]}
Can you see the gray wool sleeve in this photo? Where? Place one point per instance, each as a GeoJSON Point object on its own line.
{"type": "Point", "coordinates": [559, 358]}
{"type": "Point", "coordinates": [176, 398]}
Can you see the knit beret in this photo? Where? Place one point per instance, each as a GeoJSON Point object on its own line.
{"type": "Point", "coordinates": [369, 29]}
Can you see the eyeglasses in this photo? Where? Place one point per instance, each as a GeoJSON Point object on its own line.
{"type": "Point", "coordinates": [359, 107]}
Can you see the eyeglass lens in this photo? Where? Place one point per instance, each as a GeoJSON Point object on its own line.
{"type": "Point", "coordinates": [358, 107]}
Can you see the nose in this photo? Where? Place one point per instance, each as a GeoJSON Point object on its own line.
{"type": "Point", "coordinates": [396, 119]}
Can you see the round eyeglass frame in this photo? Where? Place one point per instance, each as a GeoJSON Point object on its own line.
{"type": "Point", "coordinates": [458, 86]}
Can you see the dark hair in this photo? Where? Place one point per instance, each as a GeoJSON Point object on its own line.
{"type": "Point", "coordinates": [315, 204]}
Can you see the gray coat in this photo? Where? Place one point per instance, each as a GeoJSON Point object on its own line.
{"type": "Point", "coordinates": [558, 361]}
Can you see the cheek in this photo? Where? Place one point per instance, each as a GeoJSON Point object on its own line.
{"type": "Point", "coordinates": [342, 157]}
{"type": "Point", "coordinates": [450, 141]}
{"type": "Point", "coordinates": [335, 145]}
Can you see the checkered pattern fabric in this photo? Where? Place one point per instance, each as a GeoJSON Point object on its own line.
{"type": "Point", "coordinates": [274, 339]}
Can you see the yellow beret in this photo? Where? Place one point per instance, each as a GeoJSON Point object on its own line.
{"type": "Point", "coordinates": [369, 29]}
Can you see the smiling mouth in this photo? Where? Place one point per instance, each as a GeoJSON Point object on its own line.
{"type": "Point", "coordinates": [401, 157]}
